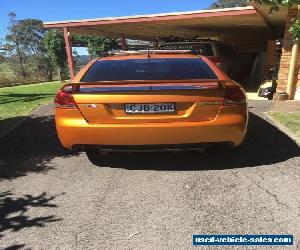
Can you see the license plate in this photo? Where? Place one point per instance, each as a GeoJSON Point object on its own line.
{"type": "Point", "coordinates": [150, 108]}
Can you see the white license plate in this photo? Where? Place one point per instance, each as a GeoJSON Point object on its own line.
{"type": "Point", "coordinates": [150, 108]}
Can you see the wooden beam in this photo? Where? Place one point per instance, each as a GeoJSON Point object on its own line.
{"type": "Point", "coordinates": [70, 60]}
{"type": "Point", "coordinates": [105, 33]}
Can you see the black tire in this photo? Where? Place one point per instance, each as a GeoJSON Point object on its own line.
{"type": "Point", "coordinates": [95, 157]}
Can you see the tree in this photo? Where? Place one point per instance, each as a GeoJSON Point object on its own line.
{"type": "Point", "coordinates": [2, 51]}
{"type": "Point", "coordinates": [275, 5]}
{"type": "Point", "coordinates": [24, 42]}
{"type": "Point", "coordinates": [229, 4]}
{"type": "Point", "coordinates": [13, 42]}
{"type": "Point", "coordinates": [97, 46]}
{"type": "Point", "coordinates": [55, 44]}
{"type": "Point", "coordinates": [295, 30]}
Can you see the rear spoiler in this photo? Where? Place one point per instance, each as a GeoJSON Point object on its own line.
{"type": "Point", "coordinates": [143, 85]}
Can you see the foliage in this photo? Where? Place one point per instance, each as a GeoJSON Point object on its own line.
{"type": "Point", "coordinates": [295, 29]}
{"type": "Point", "coordinates": [5, 69]}
{"type": "Point", "coordinates": [2, 58]}
{"type": "Point", "coordinates": [228, 4]}
{"type": "Point", "coordinates": [2, 50]}
{"type": "Point", "coordinates": [12, 45]}
{"type": "Point", "coordinates": [97, 46]}
{"type": "Point", "coordinates": [7, 76]}
{"type": "Point", "coordinates": [55, 45]}
{"type": "Point", "coordinates": [33, 51]}
{"type": "Point", "coordinates": [23, 44]}
{"type": "Point", "coordinates": [275, 4]}
{"type": "Point", "coordinates": [28, 33]}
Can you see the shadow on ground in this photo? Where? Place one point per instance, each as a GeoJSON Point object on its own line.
{"type": "Point", "coordinates": [26, 97]}
{"type": "Point", "coordinates": [30, 147]}
{"type": "Point", "coordinates": [14, 217]}
{"type": "Point", "coordinates": [13, 211]}
{"type": "Point", "coordinates": [15, 247]}
{"type": "Point", "coordinates": [265, 145]}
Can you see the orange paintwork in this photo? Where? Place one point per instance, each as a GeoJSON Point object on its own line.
{"type": "Point", "coordinates": [200, 116]}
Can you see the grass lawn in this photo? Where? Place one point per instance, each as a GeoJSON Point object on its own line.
{"type": "Point", "coordinates": [291, 120]}
{"type": "Point", "coordinates": [21, 100]}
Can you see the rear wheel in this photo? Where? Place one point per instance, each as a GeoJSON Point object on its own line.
{"type": "Point", "coordinates": [95, 156]}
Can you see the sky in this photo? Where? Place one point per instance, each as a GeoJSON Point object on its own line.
{"type": "Point", "coordinates": [56, 10]}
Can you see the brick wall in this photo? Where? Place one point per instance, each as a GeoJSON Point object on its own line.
{"type": "Point", "coordinates": [286, 55]}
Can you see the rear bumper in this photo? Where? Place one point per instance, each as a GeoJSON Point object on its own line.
{"type": "Point", "coordinates": [228, 126]}
{"type": "Point", "coordinates": [152, 148]}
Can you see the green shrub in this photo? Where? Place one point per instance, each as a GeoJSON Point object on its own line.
{"type": "Point", "coordinates": [295, 29]}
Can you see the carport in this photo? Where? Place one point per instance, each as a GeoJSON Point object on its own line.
{"type": "Point", "coordinates": [251, 28]}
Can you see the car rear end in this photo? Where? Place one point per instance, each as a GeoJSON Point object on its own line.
{"type": "Point", "coordinates": [143, 102]}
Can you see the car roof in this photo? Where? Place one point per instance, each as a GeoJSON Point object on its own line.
{"type": "Point", "coordinates": [145, 56]}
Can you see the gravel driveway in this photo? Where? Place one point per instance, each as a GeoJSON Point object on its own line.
{"type": "Point", "coordinates": [51, 198]}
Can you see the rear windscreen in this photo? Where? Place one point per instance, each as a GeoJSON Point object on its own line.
{"type": "Point", "coordinates": [149, 69]}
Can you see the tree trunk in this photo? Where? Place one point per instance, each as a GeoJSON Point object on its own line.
{"type": "Point", "coordinates": [60, 74]}
{"type": "Point", "coordinates": [20, 60]}
{"type": "Point", "coordinates": [49, 75]}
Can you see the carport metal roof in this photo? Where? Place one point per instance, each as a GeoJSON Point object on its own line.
{"type": "Point", "coordinates": [217, 22]}
{"type": "Point", "coordinates": [251, 21]}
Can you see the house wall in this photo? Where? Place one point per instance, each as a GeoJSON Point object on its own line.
{"type": "Point", "coordinates": [286, 58]}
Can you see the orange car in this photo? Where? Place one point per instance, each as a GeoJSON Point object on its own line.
{"type": "Point", "coordinates": [150, 101]}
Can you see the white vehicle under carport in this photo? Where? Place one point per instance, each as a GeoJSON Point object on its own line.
{"type": "Point", "coordinates": [218, 52]}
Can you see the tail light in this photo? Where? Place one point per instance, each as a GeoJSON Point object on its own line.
{"type": "Point", "coordinates": [216, 61]}
{"type": "Point", "coordinates": [234, 95]}
{"type": "Point", "coordinates": [64, 98]}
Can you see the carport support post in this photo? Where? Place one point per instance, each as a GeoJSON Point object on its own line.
{"type": "Point", "coordinates": [123, 40]}
{"type": "Point", "coordinates": [292, 69]}
{"type": "Point", "coordinates": [69, 52]}
{"type": "Point", "coordinates": [293, 64]}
